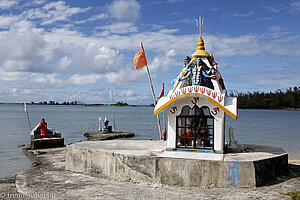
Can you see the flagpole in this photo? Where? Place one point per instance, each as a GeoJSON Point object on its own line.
{"type": "Point", "coordinates": [164, 121]}
{"type": "Point", "coordinates": [154, 99]}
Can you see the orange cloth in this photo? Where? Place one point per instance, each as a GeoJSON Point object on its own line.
{"type": "Point", "coordinates": [43, 127]}
{"type": "Point", "coordinates": [140, 59]}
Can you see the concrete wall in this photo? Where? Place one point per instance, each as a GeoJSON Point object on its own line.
{"type": "Point", "coordinates": [152, 169]}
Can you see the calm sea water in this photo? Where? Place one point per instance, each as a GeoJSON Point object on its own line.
{"type": "Point", "coordinates": [279, 128]}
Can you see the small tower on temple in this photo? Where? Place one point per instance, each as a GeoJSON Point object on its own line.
{"type": "Point", "coordinates": [197, 104]}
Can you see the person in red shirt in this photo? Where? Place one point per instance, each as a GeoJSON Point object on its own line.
{"type": "Point", "coordinates": [43, 127]}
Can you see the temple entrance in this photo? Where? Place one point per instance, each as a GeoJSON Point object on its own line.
{"type": "Point", "coordinates": [195, 128]}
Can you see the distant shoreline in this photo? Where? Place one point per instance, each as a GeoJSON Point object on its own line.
{"type": "Point", "coordinates": [294, 109]}
{"type": "Point", "coordinates": [80, 104]}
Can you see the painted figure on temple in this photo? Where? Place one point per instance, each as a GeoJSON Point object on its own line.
{"type": "Point", "coordinates": [195, 72]}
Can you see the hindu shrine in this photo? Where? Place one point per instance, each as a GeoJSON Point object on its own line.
{"type": "Point", "coordinates": [197, 105]}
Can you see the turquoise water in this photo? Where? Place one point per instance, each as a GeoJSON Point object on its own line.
{"type": "Point", "coordinates": [279, 128]}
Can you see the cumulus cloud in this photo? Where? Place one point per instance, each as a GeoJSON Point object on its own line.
{"type": "Point", "coordinates": [127, 93]}
{"type": "Point", "coordinates": [6, 4]}
{"type": "Point", "coordinates": [7, 20]}
{"type": "Point", "coordinates": [125, 10]}
{"type": "Point", "coordinates": [164, 61]}
{"type": "Point", "coordinates": [96, 58]}
{"type": "Point", "coordinates": [93, 18]}
{"type": "Point", "coordinates": [78, 79]}
{"type": "Point", "coordinates": [15, 77]}
{"type": "Point", "coordinates": [45, 80]}
{"type": "Point", "coordinates": [53, 12]}
{"type": "Point", "coordinates": [125, 76]}
{"type": "Point", "coordinates": [23, 52]}
{"type": "Point", "coordinates": [119, 28]}
{"type": "Point", "coordinates": [64, 63]}
{"type": "Point", "coordinates": [61, 57]}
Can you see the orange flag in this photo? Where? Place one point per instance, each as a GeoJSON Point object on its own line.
{"type": "Point", "coordinates": [140, 59]}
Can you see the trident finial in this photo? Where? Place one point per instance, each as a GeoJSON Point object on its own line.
{"type": "Point", "coordinates": [200, 24]}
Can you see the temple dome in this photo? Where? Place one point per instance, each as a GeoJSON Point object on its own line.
{"type": "Point", "coordinates": [200, 51]}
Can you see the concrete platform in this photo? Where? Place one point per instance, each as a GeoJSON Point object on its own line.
{"type": "Point", "coordinates": [44, 143]}
{"type": "Point", "coordinates": [148, 162]}
{"type": "Point", "coordinates": [104, 135]}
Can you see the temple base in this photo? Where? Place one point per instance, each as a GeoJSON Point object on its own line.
{"type": "Point", "coordinates": [148, 162]}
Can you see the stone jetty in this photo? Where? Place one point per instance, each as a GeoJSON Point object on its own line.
{"type": "Point", "coordinates": [104, 135]}
{"type": "Point", "coordinates": [48, 175]}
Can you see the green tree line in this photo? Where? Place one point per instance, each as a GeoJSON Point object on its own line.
{"type": "Point", "coordinates": [271, 100]}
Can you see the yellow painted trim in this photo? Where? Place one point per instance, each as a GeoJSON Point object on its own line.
{"type": "Point", "coordinates": [222, 108]}
{"type": "Point", "coordinates": [196, 95]}
{"type": "Point", "coordinates": [165, 105]}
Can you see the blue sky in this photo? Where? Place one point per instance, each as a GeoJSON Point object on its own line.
{"type": "Point", "coordinates": [79, 50]}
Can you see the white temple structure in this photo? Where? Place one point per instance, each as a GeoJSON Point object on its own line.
{"type": "Point", "coordinates": [196, 105]}
{"type": "Point", "coordinates": [195, 155]}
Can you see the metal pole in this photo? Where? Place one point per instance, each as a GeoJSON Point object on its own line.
{"type": "Point", "coordinates": [99, 118]}
{"type": "Point", "coordinates": [154, 99]}
{"type": "Point", "coordinates": [28, 121]}
{"type": "Point", "coordinates": [113, 112]}
{"type": "Point", "coordinates": [26, 110]}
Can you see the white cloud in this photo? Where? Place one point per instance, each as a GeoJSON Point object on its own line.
{"type": "Point", "coordinates": [295, 5]}
{"type": "Point", "coordinates": [39, 2]}
{"type": "Point", "coordinates": [6, 4]}
{"type": "Point", "coordinates": [34, 3]}
{"type": "Point", "coordinates": [15, 77]}
{"type": "Point", "coordinates": [64, 57]}
{"type": "Point", "coordinates": [276, 32]}
{"type": "Point", "coordinates": [226, 46]}
{"type": "Point", "coordinates": [64, 63]}
{"type": "Point", "coordinates": [125, 75]}
{"type": "Point", "coordinates": [53, 12]}
{"type": "Point", "coordinates": [78, 79]}
{"type": "Point", "coordinates": [7, 20]}
{"type": "Point", "coordinates": [119, 28]}
{"type": "Point", "coordinates": [97, 58]}
{"type": "Point", "coordinates": [275, 9]}
{"type": "Point", "coordinates": [127, 93]}
{"type": "Point", "coordinates": [244, 14]}
{"type": "Point", "coordinates": [269, 79]}
{"type": "Point", "coordinates": [93, 18]}
{"type": "Point", "coordinates": [175, 1]}
{"type": "Point", "coordinates": [139, 99]}
{"type": "Point", "coordinates": [97, 17]}
{"type": "Point", "coordinates": [164, 61]}
{"type": "Point", "coordinates": [24, 50]}
{"type": "Point", "coordinates": [125, 10]}
{"type": "Point", "coordinates": [37, 80]}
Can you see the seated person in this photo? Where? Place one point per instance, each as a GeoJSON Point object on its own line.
{"type": "Point", "coordinates": [43, 127]}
